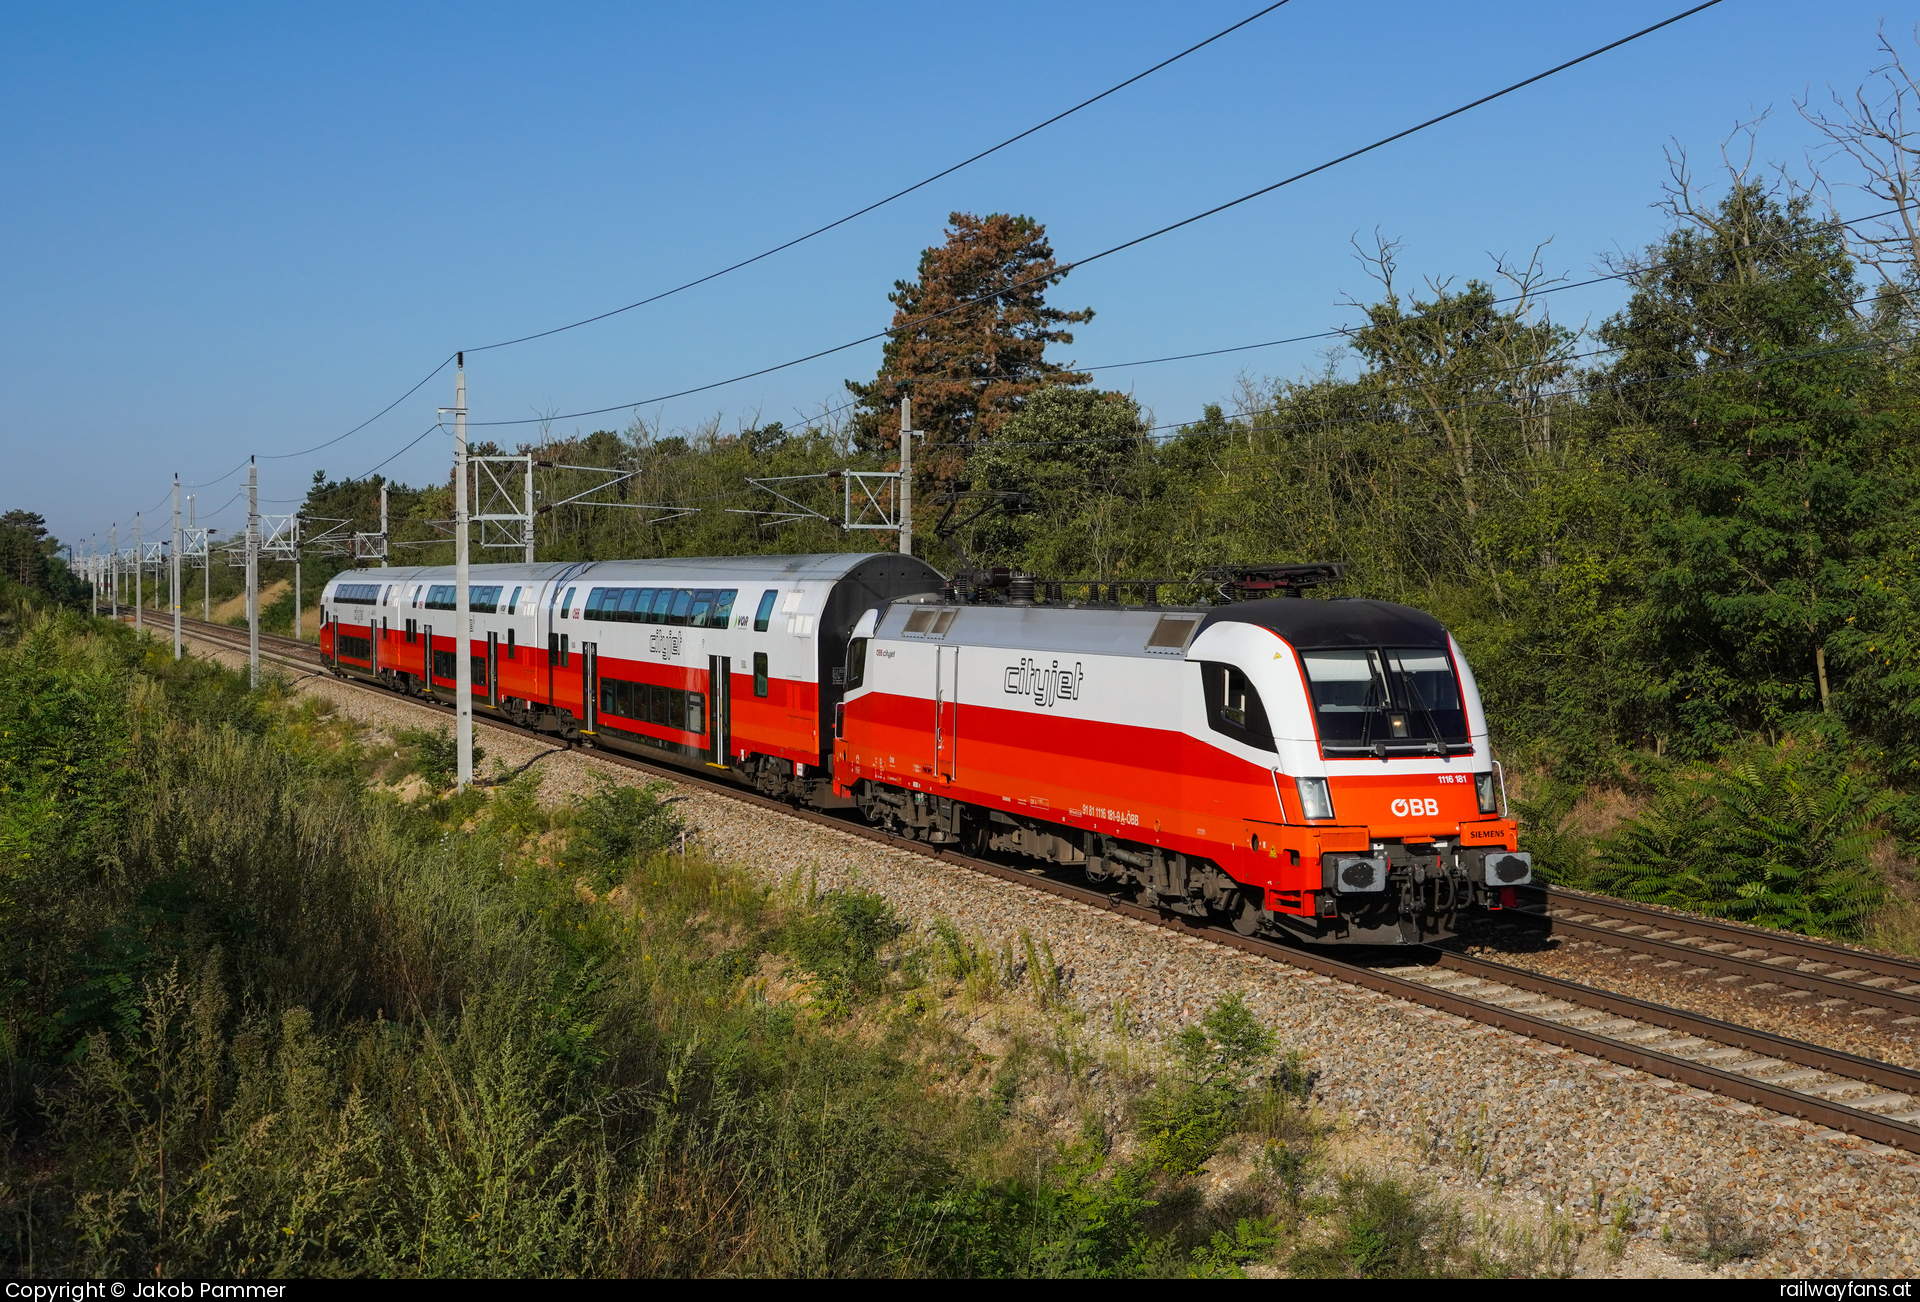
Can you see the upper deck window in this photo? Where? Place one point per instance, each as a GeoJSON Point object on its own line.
{"type": "Point", "coordinates": [1386, 701]}
{"type": "Point", "coordinates": [359, 594]}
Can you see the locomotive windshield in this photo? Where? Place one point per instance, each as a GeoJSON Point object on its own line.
{"type": "Point", "coordinates": [1386, 701]}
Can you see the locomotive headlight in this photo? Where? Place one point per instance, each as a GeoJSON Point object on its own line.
{"type": "Point", "coordinates": [1483, 786]}
{"type": "Point", "coordinates": [1314, 800]}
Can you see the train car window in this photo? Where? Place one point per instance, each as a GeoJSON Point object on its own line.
{"type": "Point", "coordinates": [676, 709]}
{"type": "Point", "coordinates": [760, 669]}
{"type": "Point", "coordinates": [1233, 706]}
{"type": "Point", "coordinates": [662, 600]}
{"type": "Point", "coordinates": [682, 607]}
{"type": "Point", "coordinates": [762, 616]}
{"type": "Point", "coordinates": [513, 602]}
{"type": "Point", "coordinates": [440, 597]}
{"type": "Point", "coordinates": [856, 663]}
{"type": "Point", "coordinates": [920, 620]}
{"type": "Point", "coordinates": [696, 712]}
{"type": "Point", "coordinates": [722, 609]}
{"type": "Point", "coordinates": [566, 603]}
{"type": "Point", "coordinates": [656, 704]}
{"type": "Point", "coordinates": [1172, 631]}
{"type": "Point", "coordinates": [443, 666]}
{"type": "Point", "coordinates": [355, 648]}
{"type": "Point", "coordinates": [388, 599]}
{"type": "Point", "coordinates": [702, 607]}
{"type": "Point", "coordinates": [416, 596]}
{"type": "Point", "coordinates": [592, 609]}
{"type": "Point", "coordinates": [630, 606]}
{"type": "Point", "coordinates": [513, 652]}
{"type": "Point", "coordinates": [483, 601]}
{"type": "Point", "coordinates": [480, 674]}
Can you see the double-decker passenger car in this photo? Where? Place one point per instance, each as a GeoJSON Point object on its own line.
{"type": "Point", "coordinates": [722, 662]}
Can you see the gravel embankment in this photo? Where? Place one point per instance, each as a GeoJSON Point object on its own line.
{"type": "Point", "coordinates": [1553, 1127]}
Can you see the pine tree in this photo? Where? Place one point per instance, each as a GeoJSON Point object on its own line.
{"type": "Point", "coordinates": [970, 340]}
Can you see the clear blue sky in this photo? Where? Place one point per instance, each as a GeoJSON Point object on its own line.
{"type": "Point", "coordinates": [247, 228]}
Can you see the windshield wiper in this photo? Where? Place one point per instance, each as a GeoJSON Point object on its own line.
{"type": "Point", "coordinates": [1436, 745]}
{"type": "Point", "coordinates": [1366, 728]}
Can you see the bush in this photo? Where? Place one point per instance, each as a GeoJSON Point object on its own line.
{"type": "Point", "coordinates": [839, 942]}
{"type": "Point", "coordinates": [436, 753]}
{"type": "Point", "coordinates": [619, 827]}
{"type": "Point", "coordinates": [1779, 836]}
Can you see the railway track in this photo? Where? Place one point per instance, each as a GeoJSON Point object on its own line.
{"type": "Point", "coordinates": [1844, 1093]}
{"type": "Point", "coordinates": [1838, 975]}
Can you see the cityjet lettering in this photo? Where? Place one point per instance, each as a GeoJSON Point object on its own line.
{"type": "Point", "coordinates": [665, 643]}
{"type": "Point", "coordinates": [1045, 684]}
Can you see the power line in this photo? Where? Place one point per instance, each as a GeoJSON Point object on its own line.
{"type": "Point", "coordinates": [402, 452]}
{"type": "Point", "coordinates": [1337, 332]}
{"type": "Point", "coordinates": [1343, 331]}
{"type": "Point", "coordinates": [898, 194]}
{"type": "Point", "coordinates": [1137, 240]}
{"type": "Point", "coordinates": [779, 248]}
{"type": "Point", "coordinates": [282, 456]}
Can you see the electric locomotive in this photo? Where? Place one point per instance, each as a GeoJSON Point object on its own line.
{"type": "Point", "coordinates": [1310, 768]}
{"type": "Point", "coordinates": [1315, 769]}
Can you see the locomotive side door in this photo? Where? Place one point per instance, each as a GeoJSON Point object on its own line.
{"type": "Point", "coordinates": [946, 710]}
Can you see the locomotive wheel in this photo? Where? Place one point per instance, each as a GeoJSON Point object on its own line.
{"type": "Point", "coordinates": [1246, 920]}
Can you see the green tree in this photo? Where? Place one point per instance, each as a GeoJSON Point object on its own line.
{"type": "Point", "coordinates": [1777, 470]}
{"type": "Point", "coordinates": [24, 549]}
{"type": "Point", "coordinates": [1082, 464]}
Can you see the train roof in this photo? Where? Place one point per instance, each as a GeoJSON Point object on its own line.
{"type": "Point", "coordinates": [1336, 622]}
{"type": "Point", "coordinates": [1131, 630]}
{"type": "Point", "coordinates": [828, 566]}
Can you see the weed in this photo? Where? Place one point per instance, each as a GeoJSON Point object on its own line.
{"type": "Point", "coordinates": [1382, 1229]}
{"type": "Point", "coordinates": [1725, 1235]}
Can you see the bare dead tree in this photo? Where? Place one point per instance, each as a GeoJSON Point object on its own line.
{"type": "Point", "coordinates": [1869, 128]}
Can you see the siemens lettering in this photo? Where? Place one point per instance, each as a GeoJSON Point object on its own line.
{"type": "Point", "coordinates": [1044, 685]}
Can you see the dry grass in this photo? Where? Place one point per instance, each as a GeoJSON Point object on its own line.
{"type": "Point", "coordinates": [1895, 926]}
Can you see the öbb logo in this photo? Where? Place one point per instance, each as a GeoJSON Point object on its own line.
{"type": "Point", "coordinates": [1416, 807]}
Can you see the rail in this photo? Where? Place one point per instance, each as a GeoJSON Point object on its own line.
{"type": "Point", "coordinates": [1774, 1095]}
